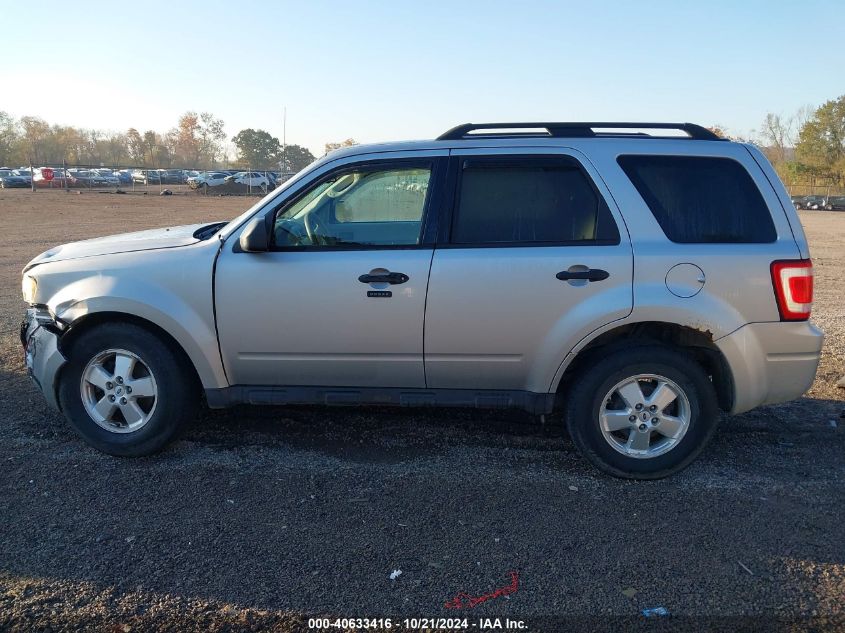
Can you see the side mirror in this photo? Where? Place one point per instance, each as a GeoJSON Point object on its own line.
{"type": "Point", "coordinates": [255, 238]}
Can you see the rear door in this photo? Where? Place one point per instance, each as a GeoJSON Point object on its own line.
{"type": "Point", "coordinates": [533, 256]}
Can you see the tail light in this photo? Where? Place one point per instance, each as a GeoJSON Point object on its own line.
{"type": "Point", "coordinates": [793, 282]}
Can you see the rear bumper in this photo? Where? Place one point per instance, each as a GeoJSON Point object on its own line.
{"type": "Point", "coordinates": [43, 359]}
{"type": "Point", "coordinates": [771, 362]}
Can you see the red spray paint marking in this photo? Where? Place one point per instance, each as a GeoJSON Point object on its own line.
{"type": "Point", "coordinates": [466, 601]}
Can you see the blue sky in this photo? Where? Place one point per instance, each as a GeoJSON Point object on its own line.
{"type": "Point", "coordinates": [385, 70]}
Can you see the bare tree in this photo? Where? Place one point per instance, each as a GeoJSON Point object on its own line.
{"type": "Point", "coordinates": [778, 135]}
{"type": "Point", "coordinates": [804, 114]}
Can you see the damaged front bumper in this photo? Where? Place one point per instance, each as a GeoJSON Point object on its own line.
{"type": "Point", "coordinates": [44, 360]}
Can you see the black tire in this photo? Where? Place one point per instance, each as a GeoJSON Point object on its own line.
{"type": "Point", "coordinates": [176, 402]}
{"type": "Point", "coordinates": [585, 398]}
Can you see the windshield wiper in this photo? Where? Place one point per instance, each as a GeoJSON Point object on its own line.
{"type": "Point", "coordinates": [205, 232]}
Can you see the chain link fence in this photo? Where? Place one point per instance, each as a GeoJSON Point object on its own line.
{"type": "Point", "coordinates": [805, 188]}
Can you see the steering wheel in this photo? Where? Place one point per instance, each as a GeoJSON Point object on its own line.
{"type": "Point", "coordinates": [312, 234]}
{"type": "Point", "coordinates": [295, 235]}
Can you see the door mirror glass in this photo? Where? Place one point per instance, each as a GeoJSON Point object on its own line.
{"type": "Point", "coordinates": [255, 238]}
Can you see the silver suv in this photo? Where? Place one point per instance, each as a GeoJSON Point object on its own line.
{"type": "Point", "coordinates": [638, 278]}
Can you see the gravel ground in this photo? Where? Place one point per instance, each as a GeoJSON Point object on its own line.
{"type": "Point", "coordinates": [261, 518]}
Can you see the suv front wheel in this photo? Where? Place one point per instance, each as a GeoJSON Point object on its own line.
{"type": "Point", "coordinates": [642, 413]}
{"type": "Point", "coordinates": [125, 391]}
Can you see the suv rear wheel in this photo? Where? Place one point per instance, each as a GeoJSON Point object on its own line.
{"type": "Point", "coordinates": [642, 413]}
{"type": "Point", "coordinates": [126, 392]}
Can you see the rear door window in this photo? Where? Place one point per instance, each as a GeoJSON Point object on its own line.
{"type": "Point", "coordinates": [701, 200]}
{"type": "Point", "coordinates": [525, 200]}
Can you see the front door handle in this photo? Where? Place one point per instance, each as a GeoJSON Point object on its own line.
{"type": "Point", "coordinates": [384, 278]}
{"type": "Point", "coordinates": [592, 274]}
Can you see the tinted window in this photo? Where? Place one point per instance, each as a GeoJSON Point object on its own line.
{"type": "Point", "coordinates": [362, 207]}
{"type": "Point", "coordinates": [701, 200]}
{"type": "Point", "coordinates": [532, 200]}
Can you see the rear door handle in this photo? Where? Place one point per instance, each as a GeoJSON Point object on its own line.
{"type": "Point", "coordinates": [593, 274]}
{"type": "Point", "coordinates": [384, 278]}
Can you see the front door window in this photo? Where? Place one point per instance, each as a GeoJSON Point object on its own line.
{"type": "Point", "coordinates": [360, 207]}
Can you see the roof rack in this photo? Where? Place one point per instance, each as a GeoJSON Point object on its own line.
{"type": "Point", "coordinates": [576, 130]}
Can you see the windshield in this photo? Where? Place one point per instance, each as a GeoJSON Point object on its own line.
{"type": "Point", "coordinates": [313, 198]}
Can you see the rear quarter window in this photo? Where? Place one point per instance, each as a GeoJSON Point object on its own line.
{"type": "Point", "coordinates": [701, 200]}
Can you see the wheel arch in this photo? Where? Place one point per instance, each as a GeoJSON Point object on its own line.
{"type": "Point", "coordinates": [90, 321]}
{"type": "Point", "coordinates": [699, 344]}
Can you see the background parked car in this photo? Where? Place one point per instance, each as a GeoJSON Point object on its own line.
{"type": "Point", "coordinates": [57, 177]}
{"type": "Point", "coordinates": [173, 176]}
{"type": "Point", "coordinates": [85, 178]}
{"type": "Point", "coordinates": [250, 179]}
{"type": "Point", "coordinates": [146, 176]}
{"type": "Point", "coordinates": [9, 179]}
{"type": "Point", "coordinates": [207, 179]}
{"type": "Point", "coordinates": [835, 203]}
{"type": "Point", "coordinates": [107, 177]}
{"type": "Point", "coordinates": [814, 202]}
{"type": "Point", "coordinates": [25, 174]}
{"type": "Point", "coordinates": [124, 176]}
{"type": "Point", "coordinates": [799, 202]}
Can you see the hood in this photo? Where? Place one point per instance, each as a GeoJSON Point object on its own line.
{"type": "Point", "coordinates": [122, 243]}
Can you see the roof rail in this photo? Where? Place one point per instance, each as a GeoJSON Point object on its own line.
{"type": "Point", "coordinates": [577, 130]}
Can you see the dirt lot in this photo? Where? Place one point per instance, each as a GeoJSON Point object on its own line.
{"type": "Point", "coordinates": [264, 517]}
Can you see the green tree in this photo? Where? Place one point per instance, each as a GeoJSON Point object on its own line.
{"type": "Point", "coordinates": [821, 141]}
{"type": "Point", "coordinates": [117, 149]}
{"type": "Point", "coordinates": [151, 145]}
{"type": "Point", "coordinates": [135, 146]}
{"type": "Point", "coordinates": [66, 143]}
{"type": "Point", "coordinates": [9, 138]}
{"type": "Point", "coordinates": [257, 149]}
{"type": "Point", "coordinates": [294, 158]}
{"type": "Point", "coordinates": [35, 134]}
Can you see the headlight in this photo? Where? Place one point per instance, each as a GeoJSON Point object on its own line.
{"type": "Point", "coordinates": [28, 287]}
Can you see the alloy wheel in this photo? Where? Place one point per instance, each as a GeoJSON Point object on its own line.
{"type": "Point", "coordinates": [119, 391]}
{"type": "Point", "coordinates": [644, 416]}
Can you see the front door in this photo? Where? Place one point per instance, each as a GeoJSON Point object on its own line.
{"type": "Point", "coordinates": [340, 298]}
